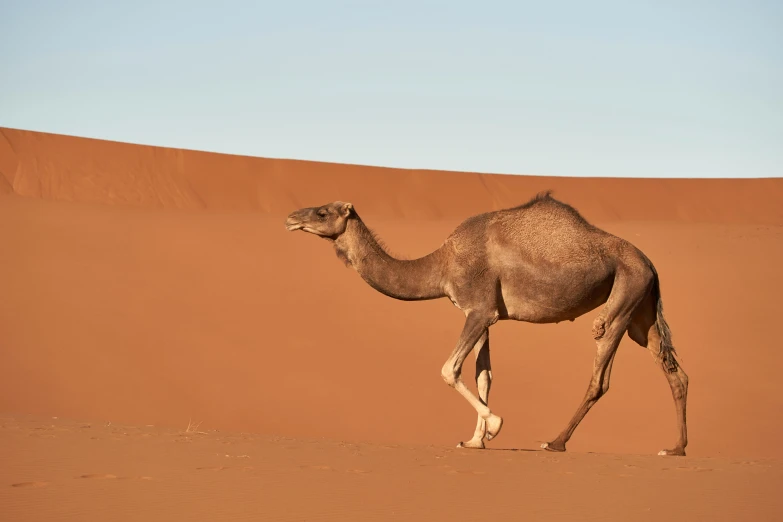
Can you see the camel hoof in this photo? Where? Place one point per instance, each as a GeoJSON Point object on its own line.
{"type": "Point", "coordinates": [471, 444]}
{"type": "Point", "coordinates": [672, 453]}
{"type": "Point", "coordinates": [494, 423]}
{"type": "Point", "coordinates": [553, 446]}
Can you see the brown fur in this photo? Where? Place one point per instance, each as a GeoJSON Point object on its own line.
{"type": "Point", "coordinates": [666, 351]}
{"type": "Point", "coordinates": [539, 262]}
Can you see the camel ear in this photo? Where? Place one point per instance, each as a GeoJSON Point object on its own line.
{"type": "Point", "coordinates": [346, 209]}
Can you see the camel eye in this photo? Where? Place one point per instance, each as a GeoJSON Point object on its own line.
{"type": "Point", "coordinates": [321, 214]}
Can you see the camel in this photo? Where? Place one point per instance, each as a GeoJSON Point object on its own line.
{"type": "Point", "coordinates": [539, 262]}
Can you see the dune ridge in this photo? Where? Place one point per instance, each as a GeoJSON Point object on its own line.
{"type": "Point", "coordinates": [66, 168]}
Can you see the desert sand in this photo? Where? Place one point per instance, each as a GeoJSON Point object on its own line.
{"type": "Point", "coordinates": [145, 289]}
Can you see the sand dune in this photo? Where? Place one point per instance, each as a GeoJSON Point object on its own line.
{"type": "Point", "coordinates": [64, 168]}
{"type": "Point", "coordinates": [145, 285]}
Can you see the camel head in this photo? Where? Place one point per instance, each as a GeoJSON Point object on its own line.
{"type": "Point", "coordinates": [327, 221]}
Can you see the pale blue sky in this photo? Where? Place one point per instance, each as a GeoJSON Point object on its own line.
{"type": "Point", "coordinates": [601, 88]}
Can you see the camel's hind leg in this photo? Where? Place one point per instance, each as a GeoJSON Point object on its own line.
{"type": "Point", "coordinates": [599, 385]}
{"type": "Point", "coordinates": [646, 327]}
{"type": "Point", "coordinates": [608, 329]}
{"type": "Point", "coordinates": [483, 384]}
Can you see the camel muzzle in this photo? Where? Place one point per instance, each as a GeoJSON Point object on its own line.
{"type": "Point", "coordinates": [293, 224]}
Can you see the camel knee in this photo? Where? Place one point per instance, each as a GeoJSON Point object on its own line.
{"type": "Point", "coordinates": [449, 374]}
{"type": "Point", "coordinates": [596, 391]}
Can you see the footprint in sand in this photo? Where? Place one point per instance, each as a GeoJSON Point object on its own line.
{"type": "Point", "coordinates": [755, 463]}
{"type": "Point", "coordinates": [105, 476]}
{"type": "Point", "coordinates": [36, 484]}
{"type": "Point", "coordinates": [318, 467]}
{"type": "Point", "coordinates": [466, 472]}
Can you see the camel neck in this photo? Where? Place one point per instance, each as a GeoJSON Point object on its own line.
{"type": "Point", "coordinates": [407, 280]}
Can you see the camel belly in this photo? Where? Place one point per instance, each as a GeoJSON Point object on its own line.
{"type": "Point", "coordinates": [551, 298]}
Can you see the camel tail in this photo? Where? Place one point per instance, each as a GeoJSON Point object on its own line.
{"type": "Point", "coordinates": [666, 352]}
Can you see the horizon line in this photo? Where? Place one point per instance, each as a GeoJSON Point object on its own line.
{"type": "Point", "coordinates": [370, 165]}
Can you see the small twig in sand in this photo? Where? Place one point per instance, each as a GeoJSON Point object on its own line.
{"type": "Point", "coordinates": [193, 428]}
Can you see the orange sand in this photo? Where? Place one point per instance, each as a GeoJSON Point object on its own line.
{"type": "Point", "coordinates": [144, 285]}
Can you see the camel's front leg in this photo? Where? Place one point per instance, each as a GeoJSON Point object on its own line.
{"type": "Point", "coordinates": [483, 384]}
{"type": "Point", "coordinates": [475, 331]}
